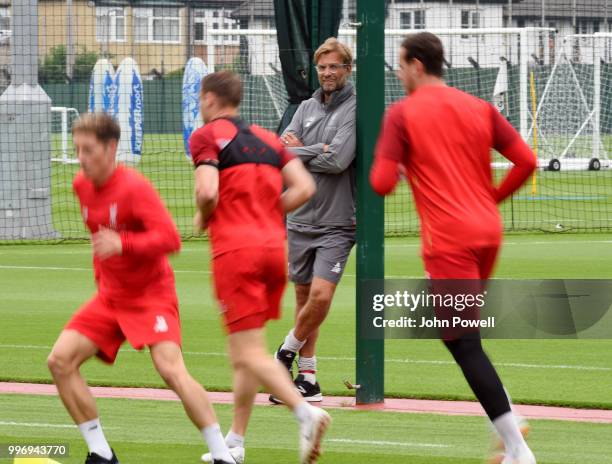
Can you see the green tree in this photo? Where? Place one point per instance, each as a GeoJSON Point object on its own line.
{"type": "Point", "coordinates": [53, 68]}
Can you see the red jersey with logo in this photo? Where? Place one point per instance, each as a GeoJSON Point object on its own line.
{"type": "Point", "coordinates": [249, 158]}
{"type": "Point", "coordinates": [443, 138]}
{"type": "Point", "coordinates": [129, 204]}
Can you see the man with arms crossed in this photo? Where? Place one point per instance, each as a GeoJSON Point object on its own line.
{"type": "Point", "coordinates": [239, 179]}
{"type": "Point", "coordinates": [321, 233]}
{"type": "Point", "coordinates": [442, 139]}
{"type": "Point", "coordinates": [131, 233]}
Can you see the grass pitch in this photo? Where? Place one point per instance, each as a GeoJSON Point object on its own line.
{"type": "Point", "coordinates": [160, 433]}
{"type": "Point", "coordinates": [46, 284]}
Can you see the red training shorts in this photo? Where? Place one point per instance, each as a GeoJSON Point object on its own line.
{"type": "Point", "coordinates": [460, 272]}
{"type": "Point", "coordinates": [249, 283]}
{"type": "Point", "coordinates": [468, 263]}
{"type": "Point", "coordinates": [142, 322]}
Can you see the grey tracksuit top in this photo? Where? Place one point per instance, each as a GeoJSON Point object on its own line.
{"type": "Point", "coordinates": [333, 124]}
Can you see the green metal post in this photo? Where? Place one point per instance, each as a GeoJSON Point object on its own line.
{"type": "Point", "coordinates": [370, 207]}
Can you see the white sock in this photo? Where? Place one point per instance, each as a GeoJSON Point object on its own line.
{"type": "Point", "coordinates": [216, 444]}
{"type": "Point", "coordinates": [520, 420]}
{"type": "Point", "coordinates": [309, 377]}
{"type": "Point", "coordinates": [308, 368]}
{"type": "Point", "coordinates": [233, 440]}
{"type": "Point", "coordinates": [291, 343]}
{"type": "Point", "coordinates": [307, 364]}
{"type": "Point", "coordinates": [510, 434]}
{"type": "Point", "coordinates": [94, 436]}
{"type": "Point", "coordinates": [302, 412]}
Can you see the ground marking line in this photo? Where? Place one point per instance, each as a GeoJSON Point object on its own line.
{"type": "Point", "coordinates": [44, 425]}
{"type": "Point", "coordinates": [176, 271]}
{"type": "Point", "coordinates": [388, 245]}
{"type": "Point", "coordinates": [349, 358]}
{"type": "Point", "coordinates": [385, 443]}
{"type": "Point", "coordinates": [185, 271]}
{"type": "Point", "coordinates": [82, 269]}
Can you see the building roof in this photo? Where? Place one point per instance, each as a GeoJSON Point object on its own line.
{"type": "Point", "coordinates": [561, 9]}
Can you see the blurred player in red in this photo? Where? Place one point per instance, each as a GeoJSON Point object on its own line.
{"type": "Point", "coordinates": [240, 174]}
{"type": "Point", "coordinates": [131, 233]}
{"type": "Point", "coordinates": [441, 139]}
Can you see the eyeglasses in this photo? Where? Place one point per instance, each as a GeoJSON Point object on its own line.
{"type": "Point", "coordinates": [332, 68]}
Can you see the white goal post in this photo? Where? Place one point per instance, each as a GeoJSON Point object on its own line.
{"type": "Point", "coordinates": [64, 129]}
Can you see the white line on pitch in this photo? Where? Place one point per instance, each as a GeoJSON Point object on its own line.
{"type": "Point", "coordinates": [43, 425]}
{"type": "Point", "coordinates": [176, 271]}
{"type": "Point", "coordinates": [385, 443]}
{"type": "Point", "coordinates": [35, 424]}
{"type": "Point", "coordinates": [350, 358]}
{"type": "Point", "coordinates": [549, 242]}
{"type": "Point", "coordinates": [82, 269]}
{"type": "Point", "coordinates": [87, 251]}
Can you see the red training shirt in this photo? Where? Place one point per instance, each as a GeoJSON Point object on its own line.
{"type": "Point", "coordinates": [249, 158]}
{"type": "Point", "coordinates": [129, 204]}
{"type": "Point", "coordinates": [443, 138]}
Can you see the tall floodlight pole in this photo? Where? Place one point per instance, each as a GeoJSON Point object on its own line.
{"type": "Point", "coordinates": [25, 144]}
{"type": "Point", "coordinates": [69, 41]}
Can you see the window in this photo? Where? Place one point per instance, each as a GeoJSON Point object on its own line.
{"type": "Point", "coordinates": [419, 19]}
{"type": "Point", "coordinates": [587, 27]}
{"type": "Point", "coordinates": [465, 19]}
{"type": "Point", "coordinates": [157, 25]}
{"type": "Point", "coordinates": [110, 24]}
{"type": "Point", "coordinates": [470, 19]}
{"type": "Point", "coordinates": [5, 20]}
{"type": "Point", "coordinates": [475, 19]}
{"type": "Point", "coordinates": [198, 31]}
{"type": "Point", "coordinates": [412, 19]}
{"type": "Point", "coordinates": [207, 20]}
{"type": "Point", "coordinates": [406, 20]}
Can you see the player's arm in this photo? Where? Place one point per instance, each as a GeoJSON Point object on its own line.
{"type": "Point", "coordinates": [392, 144]}
{"type": "Point", "coordinates": [206, 193]}
{"type": "Point", "coordinates": [299, 184]}
{"type": "Point", "coordinates": [508, 142]}
{"type": "Point", "coordinates": [205, 152]}
{"type": "Point", "coordinates": [338, 155]}
{"type": "Point", "coordinates": [76, 188]}
{"type": "Point", "coordinates": [159, 235]}
{"type": "Point", "coordinates": [292, 138]}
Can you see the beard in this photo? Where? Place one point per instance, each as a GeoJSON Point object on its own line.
{"type": "Point", "coordinates": [330, 87]}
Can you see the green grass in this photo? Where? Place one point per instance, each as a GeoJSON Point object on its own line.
{"type": "Point", "coordinates": [578, 200]}
{"type": "Point", "coordinates": [560, 372]}
{"type": "Point", "coordinates": [159, 433]}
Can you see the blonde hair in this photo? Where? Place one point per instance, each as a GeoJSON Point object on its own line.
{"type": "Point", "coordinates": [334, 45]}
